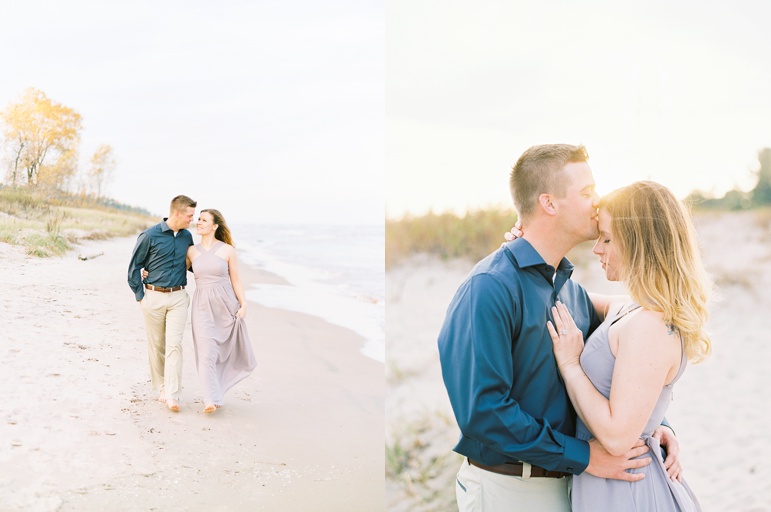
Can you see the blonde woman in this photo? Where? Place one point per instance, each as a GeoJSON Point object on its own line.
{"type": "Point", "coordinates": [223, 352]}
{"type": "Point", "coordinates": [620, 382]}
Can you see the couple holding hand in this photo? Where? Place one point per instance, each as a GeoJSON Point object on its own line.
{"type": "Point", "coordinates": [157, 275]}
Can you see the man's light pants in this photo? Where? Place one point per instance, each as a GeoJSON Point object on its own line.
{"type": "Point", "coordinates": [165, 319]}
{"type": "Point", "coordinates": [478, 490]}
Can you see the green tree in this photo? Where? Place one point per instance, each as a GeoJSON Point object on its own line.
{"type": "Point", "coordinates": [42, 139]}
{"type": "Point", "coordinates": [761, 194]}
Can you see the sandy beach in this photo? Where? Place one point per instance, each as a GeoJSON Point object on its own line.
{"type": "Point", "coordinates": [719, 411]}
{"type": "Point", "coordinates": [80, 429]}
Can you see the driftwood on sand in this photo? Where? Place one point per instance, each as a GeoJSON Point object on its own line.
{"type": "Point", "coordinates": [89, 256]}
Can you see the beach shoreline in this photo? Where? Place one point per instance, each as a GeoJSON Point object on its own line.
{"type": "Point", "coordinates": [82, 429]}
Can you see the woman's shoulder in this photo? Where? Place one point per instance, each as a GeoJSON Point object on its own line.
{"type": "Point", "coordinates": [647, 339]}
{"type": "Point", "coordinates": [645, 324]}
{"type": "Point", "coordinates": [225, 250]}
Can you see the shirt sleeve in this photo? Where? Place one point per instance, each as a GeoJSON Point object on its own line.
{"type": "Point", "coordinates": [138, 261]}
{"type": "Point", "coordinates": [478, 367]}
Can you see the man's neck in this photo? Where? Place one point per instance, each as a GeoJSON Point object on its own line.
{"type": "Point", "coordinates": [548, 242]}
{"type": "Point", "coordinates": [173, 226]}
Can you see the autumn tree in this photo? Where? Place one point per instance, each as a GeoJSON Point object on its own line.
{"type": "Point", "coordinates": [103, 165]}
{"type": "Point", "coordinates": [42, 140]}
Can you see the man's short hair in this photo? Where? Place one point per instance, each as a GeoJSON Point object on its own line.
{"type": "Point", "coordinates": [181, 203]}
{"type": "Point", "coordinates": [540, 171]}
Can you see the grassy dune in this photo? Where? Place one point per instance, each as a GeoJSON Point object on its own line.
{"type": "Point", "coordinates": [480, 232]}
{"type": "Point", "coordinates": [49, 225]}
{"type": "Point", "coordinates": [446, 235]}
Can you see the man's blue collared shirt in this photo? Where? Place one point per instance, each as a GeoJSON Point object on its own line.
{"type": "Point", "coordinates": [498, 364]}
{"type": "Point", "coordinates": [163, 255]}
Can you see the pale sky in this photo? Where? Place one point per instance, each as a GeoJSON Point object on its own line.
{"type": "Point", "coordinates": [676, 92]}
{"type": "Point", "coordinates": [270, 111]}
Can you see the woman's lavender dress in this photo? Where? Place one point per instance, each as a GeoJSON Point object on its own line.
{"type": "Point", "coordinates": [223, 352]}
{"type": "Point", "coordinates": [656, 492]}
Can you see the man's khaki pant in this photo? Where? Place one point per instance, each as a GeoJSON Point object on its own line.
{"type": "Point", "coordinates": [165, 318]}
{"type": "Point", "coordinates": [478, 490]}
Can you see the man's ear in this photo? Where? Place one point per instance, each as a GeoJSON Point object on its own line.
{"type": "Point", "coordinates": [546, 204]}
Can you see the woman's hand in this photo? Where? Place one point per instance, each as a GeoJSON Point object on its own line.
{"type": "Point", "coordinates": [241, 313]}
{"type": "Point", "coordinates": [516, 232]}
{"type": "Point", "coordinates": [567, 338]}
{"type": "Point", "coordinates": [145, 273]}
{"type": "Point", "coordinates": [668, 440]}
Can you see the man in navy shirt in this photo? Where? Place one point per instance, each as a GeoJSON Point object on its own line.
{"type": "Point", "coordinates": [516, 420]}
{"type": "Point", "coordinates": [162, 251]}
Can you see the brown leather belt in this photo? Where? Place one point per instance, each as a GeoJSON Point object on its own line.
{"type": "Point", "coordinates": [164, 290]}
{"type": "Point", "coordinates": [515, 469]}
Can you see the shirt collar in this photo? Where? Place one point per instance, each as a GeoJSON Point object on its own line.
{"type": "Point", "coordinates": [526, 255]}
{"type": "Point", "coordinates": [164, 226]}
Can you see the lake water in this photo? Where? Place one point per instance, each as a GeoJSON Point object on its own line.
{"type": "Point", "coordinates": [336, 273]}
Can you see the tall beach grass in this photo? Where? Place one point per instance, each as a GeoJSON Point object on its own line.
{"type": "Point", "coordinates": [49, 223]}
{"type": "Point", "coordinates": [447, 235]}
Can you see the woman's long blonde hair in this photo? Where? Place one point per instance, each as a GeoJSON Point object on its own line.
{"type": "Point", "coordinates": [661, 262]}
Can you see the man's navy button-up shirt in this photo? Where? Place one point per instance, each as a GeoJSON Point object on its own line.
{"type": "Point", "coordinates": [163, 255]}
{"type": "Point", "coordinates": [498, 364]}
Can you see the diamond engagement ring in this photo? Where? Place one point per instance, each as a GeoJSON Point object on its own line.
{"type": "Point", "coordinates": [564, 331]}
